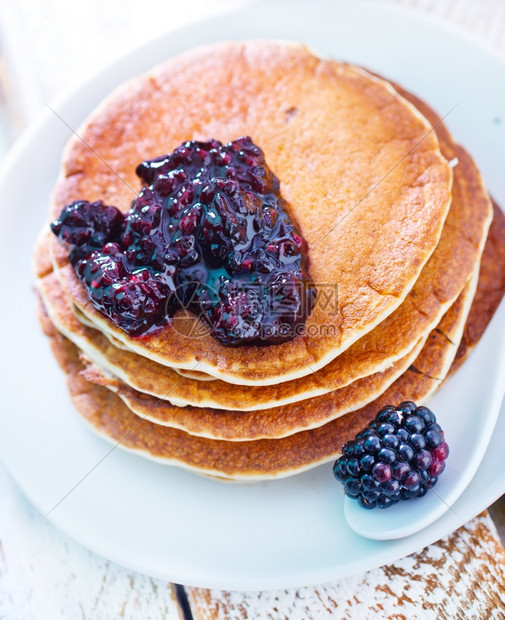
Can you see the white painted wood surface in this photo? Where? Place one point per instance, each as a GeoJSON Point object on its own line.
{"type": "Point", "coordinates": [46, 575]}
{"type": "Point", "coordinates": [461, 576]}
{"type": "Point", "coordinates": [43, 574]}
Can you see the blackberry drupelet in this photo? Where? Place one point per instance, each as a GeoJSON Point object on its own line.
{"type": "Point", "coordinates": [399, 456]}
{"type": "Point", "coordinates": [209, 231]}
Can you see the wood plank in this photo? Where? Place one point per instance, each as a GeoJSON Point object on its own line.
{"type": "Point", "coordinates": [497, 514]}
{"type": "Point", "coordinates": [461, 576]}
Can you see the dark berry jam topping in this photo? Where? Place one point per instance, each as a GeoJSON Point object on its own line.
{"type": "Point", "coordinates": [209, 231]}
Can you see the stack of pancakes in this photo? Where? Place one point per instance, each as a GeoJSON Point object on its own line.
{"type": "Point", "coordinates": [396, 218]}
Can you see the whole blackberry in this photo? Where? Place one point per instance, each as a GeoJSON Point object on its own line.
{"type": "Point", "coordinates": [397, 456]}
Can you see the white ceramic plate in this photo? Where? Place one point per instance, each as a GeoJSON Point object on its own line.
{"type": "Point", "coordinates": [169, 523]}
{"type": "Point", "coordinates": [469, 435]}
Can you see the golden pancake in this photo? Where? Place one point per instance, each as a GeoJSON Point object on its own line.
{"type": "Point", "coordinates": [264, 458]}
{"type": "Point", "coordinates": [282, 421]}
{"type": "Point", "coordinates": [246, 460]}
{"type": "Point", "coordinates": [194, 374]}
{"type": "Point", "coordinates": [437, 353]}
{"type": "Point", "coordinates": [358, 165]}
{"type": "Point", "coordinates": [439, 283]}
{"type": "Point", "coordinates": [489, 289]}
{"type": "Point", "coordinates": [274, 458]}
{"type": "Point", "coordinates": [248, 425]}
{"type": "Point", "coordinates": [234, 425]}
{"type": "Point", "coordinates": [200, 376]}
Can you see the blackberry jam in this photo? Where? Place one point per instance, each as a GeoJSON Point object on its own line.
{"type": "Point", "coordinates": [209, 231]}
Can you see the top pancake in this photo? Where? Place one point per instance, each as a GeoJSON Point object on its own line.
{"type": "Point", "coordinates": [362, 172]}
{"type": "Point", "coordinates": [440, 281]}
{"type": "Point", "coordinates": [419, 310]}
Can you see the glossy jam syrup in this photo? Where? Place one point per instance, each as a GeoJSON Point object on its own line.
{"type": "Point", "coordinates": [210, 232]}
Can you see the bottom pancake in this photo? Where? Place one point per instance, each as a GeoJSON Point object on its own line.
{"type": "Point", "coordinates": [248, 460]}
